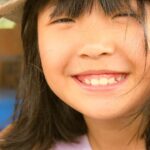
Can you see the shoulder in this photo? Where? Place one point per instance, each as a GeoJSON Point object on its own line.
{"type": "Point", "coordinates": [81, 144]}
{"type": "Point", "coordinates": [4, 132]}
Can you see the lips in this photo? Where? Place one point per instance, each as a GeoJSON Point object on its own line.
{"type": "Point", "coordinates": [100, 79]}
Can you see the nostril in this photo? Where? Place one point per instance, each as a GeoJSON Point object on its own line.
{"type": "Point", "coordinates": [92, 55]}
{"type": "Point", "coordinates": [96, 51]}
{"type": "Point", "coordinates": [104, 53]}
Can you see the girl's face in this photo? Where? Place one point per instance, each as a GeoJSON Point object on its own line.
{"type": "Point", "coordinates": [95, 63]}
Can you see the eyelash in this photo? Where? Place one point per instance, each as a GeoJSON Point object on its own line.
{"type": "Point", "coordinates": [63, 20]}
{"type": "Point", "coordinates": [69, 20]}
{"type": "Point", "coordinates": [125, 15]}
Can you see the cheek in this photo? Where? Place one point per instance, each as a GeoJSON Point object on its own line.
{"type": "Point", "coordinates": [148, 27]}
{"type": "Point", "coordinates": [134, 44]}
{"type": "Point", "coordinates": [147, 24]}
{"type": "Point", "coordinates": [53, 54]}
{"type": "Point", "coordinates": [56, 52]}
{"type": "Point", "coordinates": [49, 45]}
{"type": "Point", "coordinates": [134, 37]}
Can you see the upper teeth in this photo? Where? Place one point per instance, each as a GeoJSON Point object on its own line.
{"type": "Point", "coordinates": [103, 80]}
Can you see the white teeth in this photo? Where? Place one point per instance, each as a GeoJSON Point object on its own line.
{"type": "Point", "coordinates": [95, 82]}
{"type": "Point", "coordinates": [103, 81]}
{"type": "Point", "coordinates": [112, 81]}
{"type": "Point", "coordinates": [118, 78]}
{"type": "Point", "coordinates": [87, 81]}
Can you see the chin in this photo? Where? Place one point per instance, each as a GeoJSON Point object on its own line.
{"type": "Point", "coordinates": [106, 114]}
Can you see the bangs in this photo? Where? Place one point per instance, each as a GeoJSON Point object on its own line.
{"type": "Point", "coordinates": [75, 8]}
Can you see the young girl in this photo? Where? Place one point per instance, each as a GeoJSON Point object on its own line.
{"type": "Point", "coordinates": [86, 76]}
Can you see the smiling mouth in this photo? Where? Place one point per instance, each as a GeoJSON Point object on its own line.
{"type": "Point", "coordinates": [100, 81]}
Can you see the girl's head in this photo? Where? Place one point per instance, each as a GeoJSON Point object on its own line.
{"type": "Point", "coordinates": [83, 59]}
{"type": "Point", "coordinates": [90, 56]}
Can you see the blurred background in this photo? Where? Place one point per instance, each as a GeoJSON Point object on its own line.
{"type": "Point", "coordinates": [10, 67]}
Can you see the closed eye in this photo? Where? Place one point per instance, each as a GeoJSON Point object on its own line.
{"type": "Point", "coordinates": [63, 20]}
{"type": "Point", "coordinates": [125, 15]}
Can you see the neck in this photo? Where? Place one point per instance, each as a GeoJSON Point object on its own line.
{"type": "Point", "coordinates": [119, 134]}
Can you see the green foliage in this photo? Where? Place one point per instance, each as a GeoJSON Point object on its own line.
{"type": "Point", "coordinates": [6, 24]}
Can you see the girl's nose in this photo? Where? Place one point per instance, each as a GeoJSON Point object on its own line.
{"type": "Point", "coordinates": [98, 39]}
{"type": "Point", "coordinates": [95, 51]}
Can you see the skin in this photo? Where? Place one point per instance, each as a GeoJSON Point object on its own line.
{"type": "Point", "coordinates": [98, 42]}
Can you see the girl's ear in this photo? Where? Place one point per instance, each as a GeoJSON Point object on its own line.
{"type": "Point", "coordinates": [6, 131]}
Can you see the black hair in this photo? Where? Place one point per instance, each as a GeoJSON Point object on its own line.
{"type": "Point", "coordinates": [41, 118]}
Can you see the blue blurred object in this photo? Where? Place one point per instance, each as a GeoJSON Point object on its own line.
{"type": "Point", "coordinates": [7, 102]}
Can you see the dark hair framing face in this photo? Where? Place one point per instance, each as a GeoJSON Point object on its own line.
{"type": "Point", "coordinates": [41, 118]}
